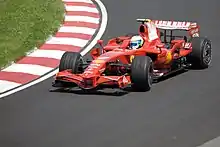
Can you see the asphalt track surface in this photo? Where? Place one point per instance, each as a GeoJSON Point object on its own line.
{"type": "Point", "coordinates": [182, 111]}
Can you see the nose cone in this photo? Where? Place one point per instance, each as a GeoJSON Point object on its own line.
{"type": "Point", "coordinates": [88, 82]}
{"type": "Point", "coordinates": [88, 75]}
{"type": "Point", "coordinates": [93, 69]}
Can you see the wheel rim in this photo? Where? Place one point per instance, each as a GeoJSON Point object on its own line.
{"type": "Point", "coordinates": [79, 67]}
{"type": "Point", "coordinates": [207, 54]}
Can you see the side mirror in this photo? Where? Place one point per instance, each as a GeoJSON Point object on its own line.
{"type": "Point", "coordinates": [100, 42]}
{"type": "Point", "coordinates": [95, 53]}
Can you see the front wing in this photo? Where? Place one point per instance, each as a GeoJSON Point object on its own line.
{"type": "Point", "coordinates": [90, 82]}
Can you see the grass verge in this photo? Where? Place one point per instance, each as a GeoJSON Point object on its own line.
{"type": "Point", "coordinates": [25, 24]}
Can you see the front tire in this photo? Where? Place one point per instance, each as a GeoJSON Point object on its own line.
{"type": "Point", "coordinates": [141, 73]}
{"type": "Point", "coordinates": [201, 54]}
{"type": "Point", "coordinates": [70, 60]}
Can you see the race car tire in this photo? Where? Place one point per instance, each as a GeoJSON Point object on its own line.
{"type": "Point", "coordinates": [70, 60]}
{"type": "Point", "coordinates": [201, 54]}
{"type": "Point", "coordinates": [141, 73]}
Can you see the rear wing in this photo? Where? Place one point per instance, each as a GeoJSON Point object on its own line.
{"type": "Point", "coordinates": [171, 25]}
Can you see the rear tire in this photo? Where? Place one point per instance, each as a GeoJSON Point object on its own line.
{"type": "Point", "coordinates": [201, 54]}
{"type": "Point", "coordinates": [141, 73]}
{"type": "Point", "coordinates": [70, 60]}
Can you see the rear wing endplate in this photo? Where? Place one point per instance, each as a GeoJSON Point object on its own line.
{"type": "Point", "coordinates": [171, 25]}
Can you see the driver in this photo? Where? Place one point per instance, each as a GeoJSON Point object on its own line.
{"type": "Point", "coordinates": [136, 42]}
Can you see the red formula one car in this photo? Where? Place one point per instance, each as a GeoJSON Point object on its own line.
{"type": "Point", "coordinates": [119, 64]}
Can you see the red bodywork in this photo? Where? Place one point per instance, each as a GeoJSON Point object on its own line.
{"type": "Point", "coordinates": [117, 49]}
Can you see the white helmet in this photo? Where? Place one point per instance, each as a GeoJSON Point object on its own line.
{"type": "Point", "coordinates": [136, 42]}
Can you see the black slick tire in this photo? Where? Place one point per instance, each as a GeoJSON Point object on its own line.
{"type": "Point", "coordinates": [141, 73]}
{"type": "Point", "coordinates": [201, 54]}
{"type": "Point", "coordinates": [70, 60]}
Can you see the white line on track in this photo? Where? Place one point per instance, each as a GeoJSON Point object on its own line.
{"type": "Point", "coordinates": [7, 85]}
{"type": "Point", "coordinates": [85, 51]}
{"type": "Point", "coordinates": [212, 143]}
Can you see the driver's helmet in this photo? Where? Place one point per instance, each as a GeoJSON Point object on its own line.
{"type": "Point", "coordinates": [136, 42]}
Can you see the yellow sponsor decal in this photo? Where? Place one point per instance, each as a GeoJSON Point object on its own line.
{"type": "Point", "coordinates": [148, 20]}
{"type": "Point", "coordinates": [168, 58]}
{"type": "Point", "coordinates": [99, 61]}
{"type": "Point", "coordinates": [131, 58]}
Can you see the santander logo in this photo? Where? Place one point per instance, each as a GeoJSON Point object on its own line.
{"type": "Point", "coordinates": [172, 24]}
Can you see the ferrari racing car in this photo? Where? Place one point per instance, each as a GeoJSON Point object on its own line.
{"type": "Point", "coordinates": [137, 59]}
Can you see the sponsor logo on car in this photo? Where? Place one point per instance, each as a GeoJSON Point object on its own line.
{"type": "Point", "coordinates": [98, 61]}
{"type": "Point", "coordinates": [168, 58]}
{"type": "Point", "coordinates": [131, 58]}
